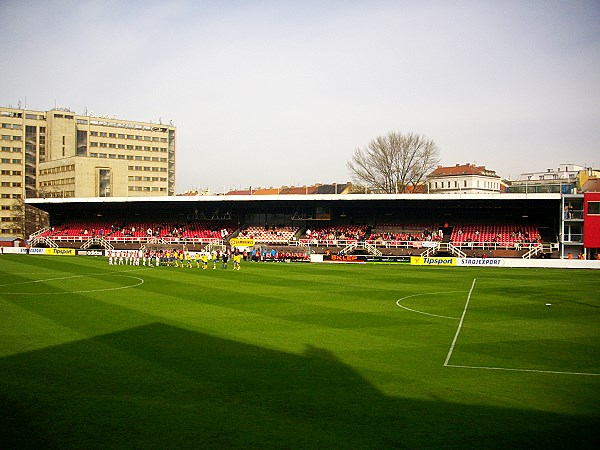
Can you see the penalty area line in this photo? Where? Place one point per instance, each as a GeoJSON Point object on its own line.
{"type": "Point", "coordinates": [460, 323]}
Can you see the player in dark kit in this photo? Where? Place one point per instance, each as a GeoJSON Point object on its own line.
{"type": "Point", "coordinates": [224, 259]}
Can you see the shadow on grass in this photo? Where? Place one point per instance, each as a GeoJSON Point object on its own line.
{"type": "Point", "coordinates": [157, 386]}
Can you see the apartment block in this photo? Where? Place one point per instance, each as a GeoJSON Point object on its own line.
{"type": "Point", "coordinates": [58, 153]}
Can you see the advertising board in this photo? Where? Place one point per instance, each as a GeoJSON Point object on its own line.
{"type": "Point", "coordinates": [432, 261]}
{"type": "Point", "coordinates": [488, 262]}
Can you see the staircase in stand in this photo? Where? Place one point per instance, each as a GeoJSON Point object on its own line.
{"type": "Point", "coordinates": [444, 247]}
{"type": "Point", "coordinates": [534, 251]}
{"type": "Point", "coordinates": [363, 245]}
{"type": "Point", "coordinates": [98, 240]}
{"type": "Point", "coordinates": [42, 240]}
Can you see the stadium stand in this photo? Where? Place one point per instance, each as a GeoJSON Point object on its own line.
{"type": "Point", "coordinates": [269, 234]}
{"type": "Point", "coordinates": [202, 232]}
{"type": "Point", "coordinates": [334, 235]}
{"type": "Point", "coordinates": [507, 236]}
{"type": "Point", "coordinates": [396, 234]}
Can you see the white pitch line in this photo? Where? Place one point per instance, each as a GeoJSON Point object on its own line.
{"type": "Point", "coordinates": [423, 312]}
{"type": "Point", "coordinates": [462, 318]}
{"type": "Point", "coordinates": [141, 281]}
{"type": "Point", "coordinates": [94, 274]}
{"type": "Point", "coordinates": [524, 370]}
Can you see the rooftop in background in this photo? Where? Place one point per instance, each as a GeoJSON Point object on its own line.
{"type": "Point", "coordinates": [564, 172]}
{"type": "Point", "coordinates": [462, 169]}
{"type": "Point", "coordinates": [318, 189]}
{"type": "Point", "coordinates": [464, 178]}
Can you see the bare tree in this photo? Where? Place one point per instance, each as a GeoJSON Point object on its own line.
{"type": "Point", "coordinates": [394, 163]}
{"type": "Point", "coordinates": [27, 219]}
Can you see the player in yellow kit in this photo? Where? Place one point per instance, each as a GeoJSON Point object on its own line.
{"type": "Point", "coordinates": [237, 259]}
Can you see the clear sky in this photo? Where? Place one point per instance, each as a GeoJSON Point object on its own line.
{"type": "Point", "coordinates": [271, 93]}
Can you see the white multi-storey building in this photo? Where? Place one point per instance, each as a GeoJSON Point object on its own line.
{"type": "Point", "coordinates": [463, 178]}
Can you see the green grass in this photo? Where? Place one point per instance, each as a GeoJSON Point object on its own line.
{"type": "Point", "coordinates": [295, 356]}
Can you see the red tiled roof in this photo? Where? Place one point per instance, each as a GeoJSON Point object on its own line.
{"type": "Point", "coordinates": [285, 190]}
{"type": "Point", "coordinates": [300, 190]}
{"type": "Point", "coordinates": [591, 185]}
{"type": "Point", "coordinates": [265, 191]}
{"type": "Point", "coordinates": [418, 189]}
{"type": "Point", "coordinates": [462, 169]}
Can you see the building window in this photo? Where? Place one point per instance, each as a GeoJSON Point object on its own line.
{"type": "Point", "coordinates": [81, 143]}
{"type": "Point", "coordinates": [594, 208]}
{"type": "Point", "coordinates": [103, 182]}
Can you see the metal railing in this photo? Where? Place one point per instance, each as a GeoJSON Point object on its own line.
{"type": "Point", "coordinates": [38, 232]}
{"type": "Point", "coordinates": [98, 240]}
{"type": "Point", "coordinates": [533, 251]}
{"type": "Point", "coordinates": [373, 250]}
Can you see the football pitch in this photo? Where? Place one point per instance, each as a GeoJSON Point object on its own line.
{"type": "Point", "coordinates": [296, 356]}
